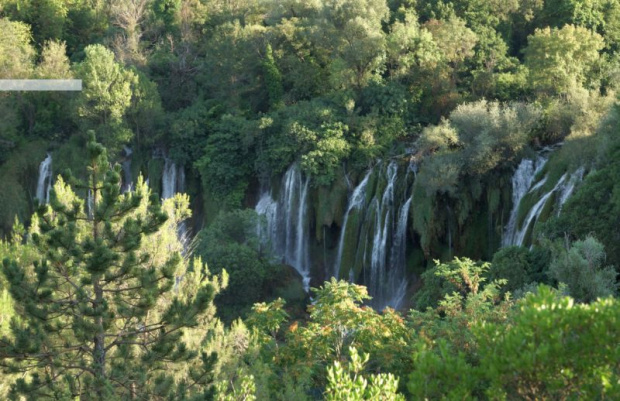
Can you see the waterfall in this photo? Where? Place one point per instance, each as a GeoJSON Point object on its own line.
{"type": "Point", "coordinates": [397, 282]}
{"type": "Point", "coordinates": [522, 180]}
{"type": "Point", "coordinates": [534, 213]}
{"type": "Point", "coordinates": [356, 202]}
{"type": "Point", "coordinates": [521, 184]}
{"type": "Point", "coordinates": [267, 230]}
{"type": "Point", "coordinates": [173, 179]}
{"type": "Point", "coordinates": [384, 223]}
{"type": "Point", "coordinates": [285, 226]}
{"type": "Point", "coordinates": [372, 244]}
{"type": "Point", "coordinates": [127, 181]}
{"type": "Point", "coordinates": [346, 177]}
{"type": "Point", "coordinates": [169, 179]}
{"type": "Point", "coordinates": [44, 183]}
{"type": "Point", "coordinates": [90, 202]}
{"type": "Point", "coordinates": [569, 188]}
{"type": "Point", "coordinates": [373, 237]}
{"type": "Point", "coordinates": [172, 182]}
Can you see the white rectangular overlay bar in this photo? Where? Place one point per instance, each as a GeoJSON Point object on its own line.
{"type": "Point", "coordinates": [40, 85]}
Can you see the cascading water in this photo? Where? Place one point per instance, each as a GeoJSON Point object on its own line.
{"type": "Point", "coordinates": [173, 179]}
{"type": "Point", "coordinates": [384, 223]}
{"type": "Point", "coordinates": [44, 183]}
{"type": "Point", "coordinates": [396, 281]}
{"type": "Point", "coordinates": [172, 182]}
{"type": "Point", "coordinates": [515, 233]}
{"type": "Point", "coordinates": [521, 184]}
{"type": "Point", "coordinates": [569, 188]}
{"type": "Point", "coordinates": [358, 198]}
{"type": "Point", "coordinates": [285, 226]}
{"type": "Point", "coordinates": [373, 237]}
{"type": "Point", "coordinates": [90, 203]}
{"type": "Point", "coordinates": [169, 179]}
{"type": "Point", "coordinates": [267, 230]}
{"type": "Point", "coordinates": [534, 213]}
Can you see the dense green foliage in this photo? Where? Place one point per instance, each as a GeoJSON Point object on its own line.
{"type": "Point", "coordinates": [230, 244]}
{"type": "Point", "coordinates": [107, 302]}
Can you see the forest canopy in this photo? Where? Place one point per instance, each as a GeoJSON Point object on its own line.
{"type": "Point", "coordinates": [323, 199]}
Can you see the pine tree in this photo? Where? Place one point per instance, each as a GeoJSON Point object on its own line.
{"type": "Point", "coordinates": [98, 316]}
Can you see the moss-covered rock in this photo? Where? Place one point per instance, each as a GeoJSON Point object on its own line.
{"type": "Point", "coordinates": [330, 205]}
{"type": "Point", "coordinates": [427, 219]}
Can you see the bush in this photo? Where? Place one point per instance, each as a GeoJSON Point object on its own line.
{"type": "Point", "coordinates": [230, 243]}
{"type": "Point", "coordinates": [581, 267]}
{"type": "Point", "coordinates": [554, 349]}
{"type": "Point", "coordinates": [520, 266]}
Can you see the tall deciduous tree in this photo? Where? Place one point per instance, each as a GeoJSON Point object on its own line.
{"type": "Point", "coordinates": [562, 59]}
{"type": "Point", "coordinates": [16, 52]}
{"type": "Point", "coordinates": [101, 317]}
{"type": "Point", "coordinates": [16, 61]}
{"type": "Point", "coordinates": [129, 16]}
{"type": "Point", "coordinates": [106, 95]}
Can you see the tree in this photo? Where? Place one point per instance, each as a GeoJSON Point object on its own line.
{"type": "Point", "coordinates": [230, 243]}
{"type": "Point", "coordinates": [601, 16]}
{"type": "Point", "coordinates": [87, 23]}
{"type": "Point", "coordinates": [16, 61]}
{"type": "Point", "coordinates": [16, 52]}
{"type": "Point", "coordinates": [338, 321]}
{"type": "Point", "coordinates": [272, 79]}
{"type": "Point", "coordinates": [341, 386]}
{"type": "Point", "coordinates": [562, 59]}
{"type": "Point", "coordinates": [520, 266]}
{"type": "Point", "coordinates": [353, 31]}
{"type": "Point", "coordinates": [477, 138]}
{"type": "Point", "coordinates": [580, 266]}
{"type": "Point", "coordinates": [145, 114]}
{"type": "Point", "coordinates": [225, 165]}
{"type": "Point", "coordinates": [454, 39]}
{"type": "Point", "coordinates": [460, 283]}
{"type": "Point", "coordinates": [329, 148]}
{"type": "Point", "coordinates": [446, 344]}
{"type": "Point", "coordinates": [409, 46]}
{"type": "Point", "coordinates": [106, 96]}
{"type": "Point", "coordinates": [99, 316]}
{"type": "Point", "coordinates": [48, 18]}
{"type": "Point", "coordinates": [48, 114]}
{"type": "Point", "coordinates": [129, 16]}
{"type": "Point", "coordinates": [554, 348]}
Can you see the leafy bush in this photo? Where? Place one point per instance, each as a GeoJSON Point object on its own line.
{"type": "Point", "coordinates": [581, 268]}
{"type": "Point", "coordinates": [230, 243]}
{"type": "Point", "coordinates": [553, 349]}
{"type": "Point", "coordinates": [520, 266]}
